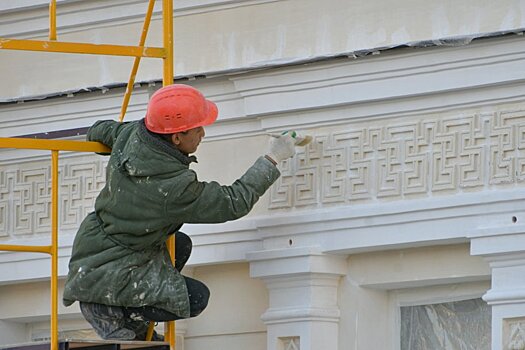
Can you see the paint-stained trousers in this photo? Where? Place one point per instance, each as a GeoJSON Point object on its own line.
{"type": "Point", "coordinates": [131, 323]}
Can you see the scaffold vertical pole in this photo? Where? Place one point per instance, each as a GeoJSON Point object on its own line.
{"type": "Point", "coordinates": [168, 42]}
{"type": "Point", "coordinates": [54, 250]}
{"type": "Point", "coordinates": [167, 79]}
{"type": "Point", "coordinates": [53, 20]}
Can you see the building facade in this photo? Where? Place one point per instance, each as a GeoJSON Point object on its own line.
{"type": "Point", "coordinates": [400, 226]}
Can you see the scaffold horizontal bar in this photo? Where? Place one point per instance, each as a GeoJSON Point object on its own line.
{"type": "Point", "coordinates": [53, 145]}
{"type": "Point", "coordinates": [27, 248]}
{"type": "Point", "coordinates": [81, 48]}
{"type": "Point", "coordinates": [88, 344]}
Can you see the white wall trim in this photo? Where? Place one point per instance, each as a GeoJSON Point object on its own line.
{"type": "Point", "coordinates": [341, 230]}
{"type": "Point", "coordinates": [397, 83]}
{"type": "Point", "coordinates": [395, 225]}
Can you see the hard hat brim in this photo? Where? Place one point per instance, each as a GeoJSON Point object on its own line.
{"type": "Point", "coordinates": [213, 113]}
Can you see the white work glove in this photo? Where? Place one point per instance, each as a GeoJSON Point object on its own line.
{"type": "Point", "coordinates": [281, 147]}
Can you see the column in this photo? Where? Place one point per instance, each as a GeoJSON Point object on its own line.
{"type": "Point", "coordinates": [303, 286]}
{"type": "Point", "coordinates": [504, 250]}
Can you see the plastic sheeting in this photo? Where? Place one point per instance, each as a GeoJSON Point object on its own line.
{"type": "Point", "coordinates": [461, 325]}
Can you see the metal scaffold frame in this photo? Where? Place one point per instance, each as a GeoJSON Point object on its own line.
{"type": "Point", "coordinates": [55, 146]}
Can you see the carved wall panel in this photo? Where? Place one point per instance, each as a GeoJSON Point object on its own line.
{"type": "Point", "coordinates": [289, 343]}
{"type": "Point", "coordinates": [404, 160]}
{"type": "Point", "coordinates": [25, 194]}
{"type": "Point", "coordinates": [381, 162]}
{"type": "Point", "coordinates": [514, 333]}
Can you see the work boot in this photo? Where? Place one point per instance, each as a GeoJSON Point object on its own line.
{"type": "Point", "coordinates": [107, 321]}
{"type": "Point", "coordinates": [139, 325]}
{"type": "Point", "coordinates": [142, 330]}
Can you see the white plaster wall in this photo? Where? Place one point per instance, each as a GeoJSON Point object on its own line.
{"type": "Point", "coordinates": [232, 319]}
{"type": "Point", "coordinates": [16, 307]}
{"type": "Point", "coordinates": [364, 322]}
{"type": "Point", "coordinates": [25, 313]}
{"type": "Point", "coordinates": [13, 332]}
{"type": "Point", "coordinates": [247, 34]}
{"type": "Point", "coordinates": [368, 299]}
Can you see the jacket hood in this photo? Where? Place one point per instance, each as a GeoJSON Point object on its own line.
{"type": "Point", "coordinates": [147, 154]}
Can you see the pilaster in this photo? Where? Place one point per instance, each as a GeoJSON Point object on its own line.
{"type": "Point", "coordinates": [303, 286]}
{"type": "Point", "coordinates": [504, 249]}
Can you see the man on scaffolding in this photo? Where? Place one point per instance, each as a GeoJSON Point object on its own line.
{"type": "Point", "coordinates": [120, 269]}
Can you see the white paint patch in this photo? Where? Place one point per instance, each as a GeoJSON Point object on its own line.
{"type": "Point", "coordinates": [509, 21]}
{"type": "Point", "coordinates": [136, 317]}
{"type": "Point", "coordinates": [400, 36]}
{"type": "Point", "coordinates": [324, 37]}
{"type": "Point", "coordinates": [280, 41]}
{"type": "Point", "coordinates": [232, 49]}
{"type": "Point", "coordinates": [440, 23]}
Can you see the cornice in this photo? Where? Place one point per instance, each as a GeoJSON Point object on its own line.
{"type": "Point", "coordinates": [396, 84]}
{"type": "Point", "coordinates": [339, 230]}
{"type": "Point", "coordinates": [396, 81]}
{"type": "Point", "coordinates": [379, 226]}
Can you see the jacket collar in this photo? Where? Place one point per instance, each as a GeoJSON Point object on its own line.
{"type": "Point", "coordinates": [163, 145]}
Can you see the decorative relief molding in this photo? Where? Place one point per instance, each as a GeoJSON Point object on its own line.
{"type": "Point", "coordinates": [516, 334]}
{"type": "Point", "coordinates": [379, 162]}
{"type": "Point", "coordinates": [290, 343]}
{"type": "Point", "coordinates": [396, 161]}
{"type": "Point", "coordinates": [25, 194]}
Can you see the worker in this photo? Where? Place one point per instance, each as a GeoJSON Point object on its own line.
{"type": "Point", "coordinates": [120, 269]}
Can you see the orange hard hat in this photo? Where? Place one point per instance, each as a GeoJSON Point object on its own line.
{"type": "Point", "coordinates": [178, 107]}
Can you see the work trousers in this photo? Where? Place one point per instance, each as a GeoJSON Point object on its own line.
{"type": "Point", "coordinates": [130, 323]}
{"type": "Point", "coordinates": [198, 293]}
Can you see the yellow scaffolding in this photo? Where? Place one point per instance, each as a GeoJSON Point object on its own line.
{"type": "Point", "coordinates": [55, 146]}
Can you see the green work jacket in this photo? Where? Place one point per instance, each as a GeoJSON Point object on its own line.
{"type": "Point", "coordinates": [119, 255]}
